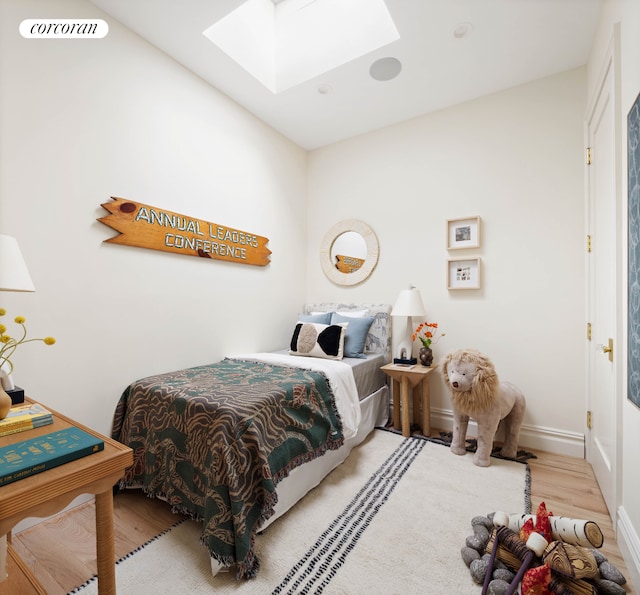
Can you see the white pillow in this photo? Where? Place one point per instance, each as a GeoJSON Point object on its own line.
{"type": "Point", "coordinates": [353, 313]}
{"type": "Point", "coordinates": [312, 339]}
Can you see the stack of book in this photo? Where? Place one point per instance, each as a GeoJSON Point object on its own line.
{"type": "Point", "coordinates": [25, 417]}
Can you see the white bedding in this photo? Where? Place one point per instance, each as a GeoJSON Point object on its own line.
{"type": "Point", "coordinates": [339, 375]}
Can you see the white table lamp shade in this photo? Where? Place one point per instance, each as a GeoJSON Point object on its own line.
{"type": "Point", "coordinates": [409, 303]}
{"type": "Point", "coordinates": [14, 275]}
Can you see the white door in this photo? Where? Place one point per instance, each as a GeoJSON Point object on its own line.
{"type": "Point", "coordinates": [604, 350]}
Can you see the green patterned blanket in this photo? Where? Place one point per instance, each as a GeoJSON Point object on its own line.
{"type": "Point", "coordinates": [215, 440]}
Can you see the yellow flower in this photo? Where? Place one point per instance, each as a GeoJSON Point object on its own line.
{"type": "Point", "coordinates": [9, 344]}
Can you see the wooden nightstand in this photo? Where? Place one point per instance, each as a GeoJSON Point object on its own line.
{"type": "Point", "coordinates": [49, 492]}
{"type": "Point", "coordinates": [404, 378]}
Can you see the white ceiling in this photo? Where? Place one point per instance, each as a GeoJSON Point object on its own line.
{"type": "Point", "coordinates": [512, 42]}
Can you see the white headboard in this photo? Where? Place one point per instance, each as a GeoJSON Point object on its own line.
{"type": "Point", "coordinates": [379, 337]}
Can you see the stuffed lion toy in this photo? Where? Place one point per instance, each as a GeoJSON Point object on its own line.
{"type": "Point", "coordinates": [477, 393]}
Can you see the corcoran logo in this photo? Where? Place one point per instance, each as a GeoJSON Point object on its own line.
{"type": "Point", "coordinates": [64, 28]}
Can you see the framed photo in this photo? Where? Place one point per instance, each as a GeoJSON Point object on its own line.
{"type": "Point", "coordinates": [463, 273]}
{"type": "Point", "coordinates": [463, 233]}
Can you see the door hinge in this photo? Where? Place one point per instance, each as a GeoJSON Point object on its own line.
{"type": "Point", "coordinates": [588, 331]}
{"type": "Point", "coordinates": [588, 155]}
{"type": "Point", "coordinates": [588, 243]}
{"type": "Point", "coordinates": [588, 420]}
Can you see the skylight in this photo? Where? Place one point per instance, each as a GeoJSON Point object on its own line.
{"type": "Point", "coordinates": [283, 43]}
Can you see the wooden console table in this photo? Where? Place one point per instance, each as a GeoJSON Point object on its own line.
{"type": "Point", "coordinates": [46, 493]}
{"type": "Point", "coordinates": [404, 378]}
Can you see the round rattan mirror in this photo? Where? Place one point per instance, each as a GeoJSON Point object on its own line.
{"type": "Point", "coordinates": [349, 252]}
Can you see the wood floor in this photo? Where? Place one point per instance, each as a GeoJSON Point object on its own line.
{"type": "Point", "coordinates": [61, 550]}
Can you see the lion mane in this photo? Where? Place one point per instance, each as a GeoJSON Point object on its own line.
{"type": "Point", "coordinates": [482, 394]}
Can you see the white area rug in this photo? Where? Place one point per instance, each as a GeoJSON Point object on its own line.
{"type": "Point", "coordinates": [391, 519]}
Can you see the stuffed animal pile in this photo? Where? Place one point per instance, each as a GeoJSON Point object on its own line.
{"type": "Point", "coordinates": [542, 554]}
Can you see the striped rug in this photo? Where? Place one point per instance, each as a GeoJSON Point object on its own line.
{"type": "Point", "coordinates": [391, 519]}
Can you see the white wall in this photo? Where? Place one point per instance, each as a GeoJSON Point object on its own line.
{"type": "Point", "coordinates": [82, 120]}
{"type": "Point", "coordinates": [625, 15]}
{"type": "Point", "coordinates": [514, 158]}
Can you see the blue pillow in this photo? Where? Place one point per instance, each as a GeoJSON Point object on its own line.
{"type": "Point", "coordinates": [356, 335]}
{"type": "Point", "coordinates": [324, 318]}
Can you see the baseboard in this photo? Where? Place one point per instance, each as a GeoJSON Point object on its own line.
{"type": "Point", "coordinates": [534, 438]}
{"type": "Point", "coordinates": [571, 444]}
{"type": "Point", "coordinates": [629, 545]}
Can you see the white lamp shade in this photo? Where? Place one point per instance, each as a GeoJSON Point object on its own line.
{"type": "Point", "coordinates": [409, 303]}
{"type": "Point", "coordinates": [14, 275]}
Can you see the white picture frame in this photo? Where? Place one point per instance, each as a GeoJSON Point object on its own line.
{"type": "Point", "coordinates": [464, 273]}
{"type": "Point", "coordinates": [463, 233]}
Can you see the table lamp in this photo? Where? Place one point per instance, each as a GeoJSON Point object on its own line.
{"type": "Point", "coordinates": [408, 304]}
{"type": "Point", "coordinates": [14, 276]}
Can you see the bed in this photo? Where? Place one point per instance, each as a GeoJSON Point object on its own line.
{"type": "Point", "coordinates": [237, 443]}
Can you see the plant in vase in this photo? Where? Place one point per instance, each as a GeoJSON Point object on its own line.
{"type": "Point", "coordinates": [8, 345]}
{"type": "Point", "coordinates": [427, 332]}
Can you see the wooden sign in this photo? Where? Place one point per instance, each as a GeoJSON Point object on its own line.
{"type": "Point", "coordinates": [348, 264]}
{"type": "Point", "coordinates": [149, 227]}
